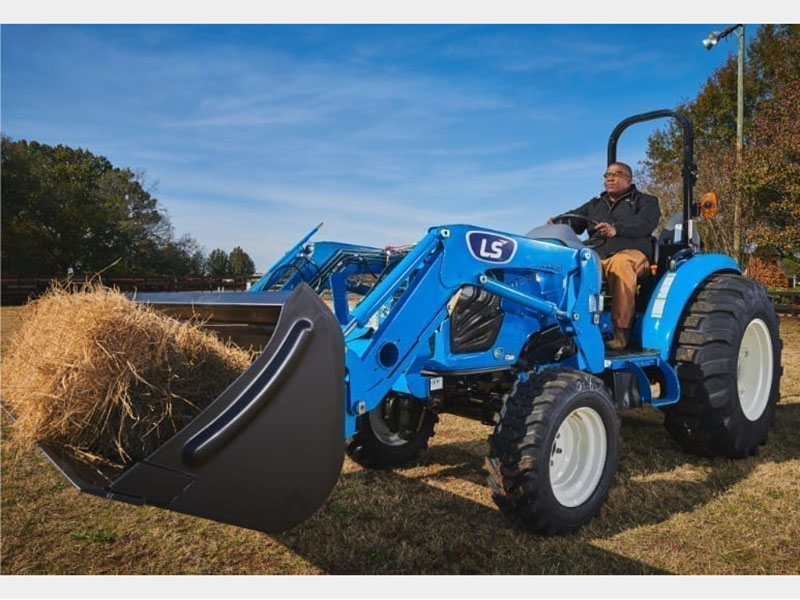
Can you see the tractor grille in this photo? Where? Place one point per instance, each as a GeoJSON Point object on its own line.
{"type": "Point", "coordinates": [475, 321]}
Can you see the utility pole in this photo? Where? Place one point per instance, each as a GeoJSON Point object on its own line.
{"type": "Point", "coordinates": [713, 38]}
{"type": "Point", "coordinates": [737, 208]}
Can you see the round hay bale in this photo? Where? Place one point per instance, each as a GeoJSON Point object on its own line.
{"type": "Point", "coordinates": [107, 380]}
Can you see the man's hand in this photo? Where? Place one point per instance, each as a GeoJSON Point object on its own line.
{"type": "Point", "coordinates": [606, 230]}
{"type": "Point", "coordinates": [550, 221]}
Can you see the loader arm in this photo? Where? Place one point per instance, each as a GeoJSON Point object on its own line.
{"type": "Point", "coordinates": [391, 329]}
{"type": "Point", "coordinates": [319, 264]}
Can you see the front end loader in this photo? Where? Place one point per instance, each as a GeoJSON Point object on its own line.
{"type": "Point", "coordinates": [485, 324]}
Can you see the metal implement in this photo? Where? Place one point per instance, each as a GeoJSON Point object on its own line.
{"type": "Point", "coordinates": [267, 452]}
{"type": "Point", "coordinates": [248, 319]}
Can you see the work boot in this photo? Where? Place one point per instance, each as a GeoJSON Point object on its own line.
{"type": "Point", "coordinates": [620, 339]}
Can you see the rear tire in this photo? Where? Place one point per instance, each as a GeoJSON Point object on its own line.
{"type": "Point", "coordinates": [554, 453]}
{"type": "Point", "coordinates": [728, 360]}
{"type": "Point", "coordinates": [379, 443]}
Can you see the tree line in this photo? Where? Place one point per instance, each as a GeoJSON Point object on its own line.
{"type": "Point", "coordinates": [68, 209]}
{"type": "Point", "coordinates": [768, 177]}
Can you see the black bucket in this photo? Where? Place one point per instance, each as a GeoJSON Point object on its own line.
{"type": "Point", "coordinates": [266, 453]}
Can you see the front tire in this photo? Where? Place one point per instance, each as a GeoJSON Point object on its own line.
{"type": "Point", "coordinates": [728, 357]}
{"type": "Point", "coordinates": [392, 434]}
{"type": "Point", "coordinates": [554, 453]}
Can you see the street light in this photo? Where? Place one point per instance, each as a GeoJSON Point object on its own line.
{"type": "Point", "coordinates": [712, 40]}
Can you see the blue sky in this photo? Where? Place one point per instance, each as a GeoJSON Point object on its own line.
{"type": "Point", "coordinates": [254, 134]}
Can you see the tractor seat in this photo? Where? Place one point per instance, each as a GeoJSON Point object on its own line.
{"type": "Point", "coordinates": [667, 235]}
{"type": "Point", "coordinates": [667, 244]}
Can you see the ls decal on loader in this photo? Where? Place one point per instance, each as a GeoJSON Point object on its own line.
{"type": "Point", "coordinates": [490, 247]}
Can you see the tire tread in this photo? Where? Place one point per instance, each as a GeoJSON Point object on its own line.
{"type": "Point", "coordinates": [516, 450]}
{"type": "Point", "coordinates": [707, 420]}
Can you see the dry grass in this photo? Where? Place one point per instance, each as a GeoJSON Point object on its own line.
{"type": "Point", "coordinates": [669, 512]}
{"type": "Point", "coordinates": [107, 380]}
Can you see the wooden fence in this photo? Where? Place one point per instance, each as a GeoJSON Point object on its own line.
{"type": "Point", "coordinates": [18, 290]}
{"type": "Point", "coordinates": [15, 291]}
{"type": "Point", "coordinates": [787, 302]}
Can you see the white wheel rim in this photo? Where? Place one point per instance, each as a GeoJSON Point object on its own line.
{"type": "Point", "coordinates": [578, 456]}
{"type": "Point", "coordinates": [754, 369]}
{"type": "Point", "coordinates": [381, 429]}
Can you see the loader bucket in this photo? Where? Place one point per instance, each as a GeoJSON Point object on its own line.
{"type": "Point", "coordinates": [246, 318]}
{"type": "Point", "coordinates": [266, 453]}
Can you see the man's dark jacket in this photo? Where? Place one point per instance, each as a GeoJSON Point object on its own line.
{"type": "Point", "coordinates": [635, 216]}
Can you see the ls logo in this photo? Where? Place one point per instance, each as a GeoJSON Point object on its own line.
{"type": "Point", "coordinates": [490, 247]}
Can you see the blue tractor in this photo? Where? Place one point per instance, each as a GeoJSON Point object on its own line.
{"type": "Point", "coordinates": [490, 325]}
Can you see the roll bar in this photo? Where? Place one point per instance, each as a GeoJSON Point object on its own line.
{"type": "Point", "coordinates": [689, 170]}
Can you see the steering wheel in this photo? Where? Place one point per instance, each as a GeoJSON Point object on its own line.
{"type": "Point", "coordinates": [589, 242]}
{"type": "Point", "coordinates": [575, 216]}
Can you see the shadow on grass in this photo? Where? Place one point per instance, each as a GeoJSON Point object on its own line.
{"type": "Point", "coordinates": [434, 516]}
{"type": "Point", "coordinates": [384, 522]}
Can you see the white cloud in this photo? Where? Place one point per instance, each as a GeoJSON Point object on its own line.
{"type": "Point", "coordinates": [381, 137]}
{"type": "Point", "coordinates": [266, 217]}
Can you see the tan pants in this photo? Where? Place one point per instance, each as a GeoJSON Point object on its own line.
{"type": "Point", "coordinates": [621, 271]}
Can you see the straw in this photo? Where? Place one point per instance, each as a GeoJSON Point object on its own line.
{"type": "Point", "coordinates": [107, 380]}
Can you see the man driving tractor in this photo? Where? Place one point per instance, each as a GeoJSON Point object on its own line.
{"type": "Point", "coordinates": [625, 220]}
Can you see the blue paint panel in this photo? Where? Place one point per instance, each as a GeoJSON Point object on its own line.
{"type": "Point", "coordinates": [575, 272]}
{"type": "Point", "coordinates": [671, 295]}
{"type": "Point", "coordinates": [636, 363]}
{"type": "Point", "coordinates": [542, 284]}
{"type": "Point", "coordinates": [401, 326]}
{"type": "Point", "coordinates": [513, 334]}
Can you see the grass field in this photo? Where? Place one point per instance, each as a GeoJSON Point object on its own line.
{"type": "Point", "coordinates": [668, 512]}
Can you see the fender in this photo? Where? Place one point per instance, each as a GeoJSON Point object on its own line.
{"type": "Point", "coordinates": [672, 294]}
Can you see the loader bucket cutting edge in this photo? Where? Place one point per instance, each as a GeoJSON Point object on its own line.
{"type": "Point", "coordinates": [266, 453]}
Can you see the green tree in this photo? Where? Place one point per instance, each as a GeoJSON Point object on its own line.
{"type": "Point", "coordinates": [62, 208]}
{"type": "Point", "coordinates": [241, 264]}
{"type": "Point", "coordinates": [713, 111]}
{"type": "Point", "coordinates": [68, 208]}
{"type": "Point", "coordinates": [218, 264]}
{"type": "Point", "coordinates": [770, 176]}
{"type": "Point", "coordinates": [773, 57]}
{"type": "Point", "coordinates": [180, 257]}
